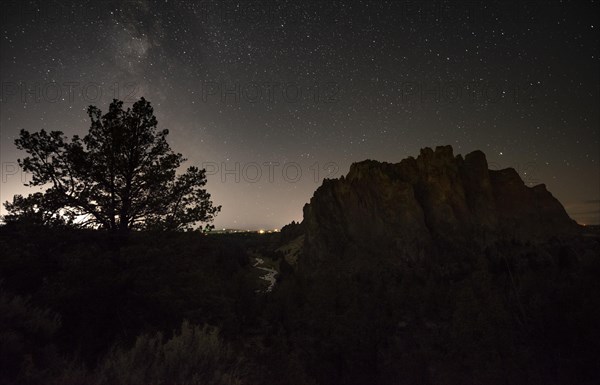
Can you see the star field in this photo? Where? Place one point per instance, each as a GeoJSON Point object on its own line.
{"type": "Point", "coordinates": [272, 97]}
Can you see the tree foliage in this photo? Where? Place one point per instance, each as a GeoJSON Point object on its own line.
{"type": "Point", "coordinates": [122, 175]}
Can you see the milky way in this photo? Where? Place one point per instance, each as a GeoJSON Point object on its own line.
{"type": "Point", "coordinates": [272, 97]}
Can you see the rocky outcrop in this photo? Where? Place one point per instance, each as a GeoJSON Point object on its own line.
{"type": "Point", "coordinates": [403, 209]}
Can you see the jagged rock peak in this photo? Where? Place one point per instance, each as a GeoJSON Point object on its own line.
{"type": "Point", "coordinates": [400, 208]}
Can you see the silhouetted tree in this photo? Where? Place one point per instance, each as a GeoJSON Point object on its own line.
{"type": "Point", "coordinates": [35, 209]}
{"type": "Point", "coordinates": [120, 176]}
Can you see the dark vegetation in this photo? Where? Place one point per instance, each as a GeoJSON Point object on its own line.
{"type": "Point", "coordinates": [507, 314]}
{"type": "Point", "coordinates": [86, 306]}
{"type": "Point", "coordinates": [82, 292]}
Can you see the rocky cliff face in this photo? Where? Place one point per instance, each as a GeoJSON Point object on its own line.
{"type": "Point", "coordinates": [403, 209]}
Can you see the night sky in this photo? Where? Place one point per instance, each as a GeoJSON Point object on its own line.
{"type": "Point", "coordinates": [301, 89]}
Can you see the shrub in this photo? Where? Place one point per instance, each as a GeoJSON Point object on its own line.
{"type": "Point", "coordinates": [194, 355]}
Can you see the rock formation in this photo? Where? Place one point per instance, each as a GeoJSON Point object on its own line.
{"type": "Point", "coordinates": [405, 208]}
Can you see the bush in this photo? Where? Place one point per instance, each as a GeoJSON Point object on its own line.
{"type": "Point", "coordinates": [194, 355]}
